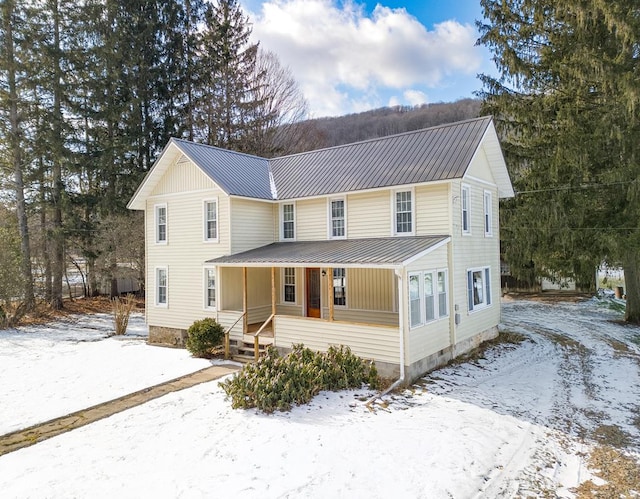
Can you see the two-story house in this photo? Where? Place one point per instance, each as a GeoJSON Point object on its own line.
{"type": "Point", "coordinates": [390, 246]}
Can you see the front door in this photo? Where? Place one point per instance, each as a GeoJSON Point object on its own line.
{"type": "Point", "coordinates": [313, 292]}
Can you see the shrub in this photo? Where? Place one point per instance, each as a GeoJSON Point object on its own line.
{"type": "Point", "coordinates": [203, 336]}
{"type": "Point", "coordinates": [278, 383]}
{"type": "Point", "coordinates": [121, 312]}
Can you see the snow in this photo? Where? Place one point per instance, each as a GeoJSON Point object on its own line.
{"type": "Point", "coordinates": [518, 422]}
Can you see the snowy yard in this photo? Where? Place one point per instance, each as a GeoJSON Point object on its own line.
{"type": "Point", "coordinates": [519, 422]}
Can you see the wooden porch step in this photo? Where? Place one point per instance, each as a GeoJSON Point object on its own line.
{"type": "Point", "coordinates": [262, 340]}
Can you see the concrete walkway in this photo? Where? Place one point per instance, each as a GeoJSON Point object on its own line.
{"type": "Point", "coordinates": [37, 433]}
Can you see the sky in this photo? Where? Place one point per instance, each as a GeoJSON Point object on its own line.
{"type": "Point", "coordinates": [352, 56]}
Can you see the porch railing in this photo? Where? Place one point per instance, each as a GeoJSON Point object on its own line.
{"type": "Point", "coordinates": [256, 337]}
{"type": "Point", "coordinates": [227, 333]}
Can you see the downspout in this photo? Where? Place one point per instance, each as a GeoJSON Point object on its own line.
{"type": "Point", "coordinates": [401, 304]}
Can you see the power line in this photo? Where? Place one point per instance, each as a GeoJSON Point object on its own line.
{"type": "Point", "coordinates": [578, 187]}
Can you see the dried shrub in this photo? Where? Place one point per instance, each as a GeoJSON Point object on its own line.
{"type": "Point", "coordinates": [279, 382]}
{"type": "Point", "coordinates": [121, 312]}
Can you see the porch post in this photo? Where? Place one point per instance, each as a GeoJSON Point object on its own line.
{"type": "Point", "coordinates": [330, 291]}
{"type": "Point", "coordinates": [245, 300]}
{"type": "Point", "coordinates": [273, 291]}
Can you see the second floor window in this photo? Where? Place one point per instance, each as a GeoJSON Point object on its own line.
{"type": "Point", "coordinates": [488, 210]}
{"type": "Point", "coordinates": [404, 213]}
{"type": "Point", "coordinates": [161, 223]}
{"type": "Point", "coordinates": [338, 228]}
{"type": "Point", "coordinates": [210, 220]}
{"type": "Point", "coordinates": [466, 205]}
{"type": "Point", "coordinates": [288, 221]}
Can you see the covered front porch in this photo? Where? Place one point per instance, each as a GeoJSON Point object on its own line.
{"type": "Point", "coordinates": [321, 293]}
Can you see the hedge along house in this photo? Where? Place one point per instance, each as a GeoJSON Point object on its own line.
{"type": "Point", "coordinates": [389, 246]}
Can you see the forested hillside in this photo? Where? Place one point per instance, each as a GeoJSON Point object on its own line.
{"type": "Point", "coordinates": [389, 120]}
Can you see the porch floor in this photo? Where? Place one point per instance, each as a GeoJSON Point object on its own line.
{"type": "Point", "coordinates": [267, 332]}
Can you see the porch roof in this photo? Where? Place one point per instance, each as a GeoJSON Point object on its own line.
{"type": "Point", "coordinates": [384, 252]}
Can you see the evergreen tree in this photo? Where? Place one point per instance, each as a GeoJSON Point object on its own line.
{"type": "Point", "coordinates": [566, 103]}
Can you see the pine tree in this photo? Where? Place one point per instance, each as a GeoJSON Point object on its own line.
{"type": "Point", "coordinates": [566, 103]}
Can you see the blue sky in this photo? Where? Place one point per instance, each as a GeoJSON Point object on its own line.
{"type": "Point", "coordinates": [351, 56]}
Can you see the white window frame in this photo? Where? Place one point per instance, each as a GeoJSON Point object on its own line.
{"type": "Point", "coordinates": [282, 238]}
{"type": "Point", "coordinates": [465, 209]}
{"type": "Point", "coordinates": [394, 211]}
{"type": "Point", "coordinates": [480, 292]}
{"type": "Point", "coordinates": [488, 214]}
{"type": "Point", "coordinates": [330, 217]}
{"type": "Point", "coordinates": [207, 305]}
{"type": "Point", "coordinates": [343, 286]}
{"type": "Point", "coordinates": [205, 221]}
{"type": "Point", "coordinates": [422, 303]}
{"type": "Point", "coordinates": [158, 303]}
{"type": "Point", "coordinates": [156, 209]}
{"type": "Point", "coordinates": [283, 277]}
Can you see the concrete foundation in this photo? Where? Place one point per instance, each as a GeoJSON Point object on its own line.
{"type": "Point", "coordinates": [441, 358]}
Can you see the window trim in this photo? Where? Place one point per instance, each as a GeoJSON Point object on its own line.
{"type": "Point", "coordinates": [206, 305]}
{"type": "Point", "coordinates": [465, 213]}
{"type": "Point", "coordinates": [330, 217]}
{"type": "Point", "coordinates": [487, 301]}
{"type": "Point", "coordinates": [205, 221]}
{"type": "Point", "coordinates": [281, 224]}
{"type": "Point", "coordinates": [157, 301]}
{"type": "Point", "coordinates": [344, 286]}
{"type": "Point", "coordinates": [156, 208]}
{"type": "Point", "coordinates": [421, 274]}
{"type": "Point", "coordinates": [488, 213]}
{"type": "Point", "coordinates": [284, 283]}
{"type": "Point", "coordinates": [394, 212]}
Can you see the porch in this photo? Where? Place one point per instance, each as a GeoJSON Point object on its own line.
{"type": "Point", "coordinates": [321, 293]}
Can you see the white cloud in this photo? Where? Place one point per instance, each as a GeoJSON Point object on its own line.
{"type": "Point", "coordinates": [344, 59]}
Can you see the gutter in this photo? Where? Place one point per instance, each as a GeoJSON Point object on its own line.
{"type": "Point", "coordinates": [400, 380]}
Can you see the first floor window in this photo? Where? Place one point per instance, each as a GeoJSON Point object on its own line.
{"type": "Point", "coordinates": [161, 286]}
{"type": "Point", "coordinates": [428, 296]}
{"type": "Point", "coordinates": [415, 309]}
{"type": "Point", "coordinates": [290, 285]}
{"type": "Point", "coordinates": [479, 288]}
{"type": "Point", "coordinates": [210, 220]}
{"type": "Point", "coordinates": [210, 280]}
{"type": "Point", "coordinates": [339, 287]}
{"type": "Point", "coordinates": [443, 305]}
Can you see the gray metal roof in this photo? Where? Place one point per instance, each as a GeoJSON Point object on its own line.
{"type": "Point", "coordinates": [236, 173]}
{"type": "Point", "coordinates": [383, 252]}
{"type": "Point", "coordinates": [438, 153]}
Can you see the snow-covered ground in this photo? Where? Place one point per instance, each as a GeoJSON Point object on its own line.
{"type": "Point", "coordinates": [517, 423]}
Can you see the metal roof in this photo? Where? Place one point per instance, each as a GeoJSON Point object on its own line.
{"type": "Point", "coordinates": [386, 252]}
{"type": "Point", "coordinates": [439, 153]}
{"type": "Point", "coordinates": [236, 173]}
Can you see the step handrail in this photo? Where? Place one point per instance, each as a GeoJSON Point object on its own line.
{"type": "Point", "coordinates": [256, 337]}
{"type": "Point", "coordinates": [227, 334]}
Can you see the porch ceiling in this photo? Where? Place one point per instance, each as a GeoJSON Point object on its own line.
{"type": "Point", "coordinates": [385, 252]}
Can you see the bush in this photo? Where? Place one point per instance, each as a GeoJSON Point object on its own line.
{"type": "Point", "coordinates": [203, 336]}
{"type": "Point", "coordinates": [278, 383]}
{"type": "Point", "coordinates": [121, 313]}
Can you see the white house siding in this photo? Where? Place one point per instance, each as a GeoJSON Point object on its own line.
{"type": "Point", "coordinates": [371, 289]}
{"type": "Point", "coordinates": [379, 343]}
{"type": "Point", "coordinates": [434, 336]}
{"type": "Point", "coordinates": [183, 188]}
{"type": "Point", "coordinates": [476, 250]}
{"type": "Point", "coordinates": [432, 209]}
{"type": "Point", "coordinates": [251, 224]}
{"type": "Point", "coordinates": [369, 214]}
{"type": "Point", "coordinates": [258, 291]}
{"type": "Point", "coordinates": [311, 219]}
